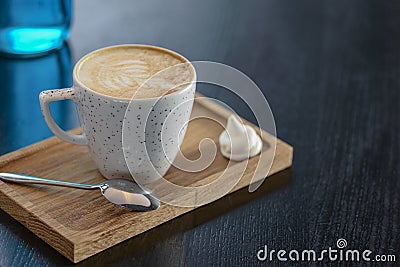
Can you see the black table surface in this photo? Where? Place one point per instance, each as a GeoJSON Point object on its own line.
{"type": "Point", "coordinates": [331, 73]}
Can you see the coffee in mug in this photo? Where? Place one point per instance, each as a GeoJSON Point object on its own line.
{"type": "Point", "coordinates": [138, 85]}
{"type": "Point", "coordinates": [120, 71]}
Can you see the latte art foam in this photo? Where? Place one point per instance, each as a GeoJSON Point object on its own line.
{"type": "Point", "coordinates": [125, 74]}
{"type": "Point", "coordinates": [135, 71]}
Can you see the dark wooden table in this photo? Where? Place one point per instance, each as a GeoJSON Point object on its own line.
{"type": "Point", "coordinates": [331, 73]}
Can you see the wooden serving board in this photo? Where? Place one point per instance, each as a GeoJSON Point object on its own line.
{"type": "Point", "coordinates": [80, 223]}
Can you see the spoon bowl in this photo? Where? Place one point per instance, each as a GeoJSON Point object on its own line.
{"type": "Point", "coordinates": [128, 194]}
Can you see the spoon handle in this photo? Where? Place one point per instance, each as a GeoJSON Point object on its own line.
{"type": "Point", "coordinates": [22, 178]}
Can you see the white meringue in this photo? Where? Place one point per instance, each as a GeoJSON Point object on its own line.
{"type": "Point", "coordinates": [239, 142]}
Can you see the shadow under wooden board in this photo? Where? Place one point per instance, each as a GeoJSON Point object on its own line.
{"type": "Point", "coordinates": [80, 223]}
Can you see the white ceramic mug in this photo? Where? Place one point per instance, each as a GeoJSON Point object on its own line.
{"type": "Point", "coordinates": [103, 118]}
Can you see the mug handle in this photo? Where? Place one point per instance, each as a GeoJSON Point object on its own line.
{"type": "Point", "coordinates": [48, 96]}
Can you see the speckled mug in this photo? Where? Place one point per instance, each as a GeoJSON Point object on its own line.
{"type": "Point", "coordinates": [102, 119]}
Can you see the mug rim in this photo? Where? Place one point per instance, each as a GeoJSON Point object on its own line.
{"type": "Point", "coordinates": [121, 99]}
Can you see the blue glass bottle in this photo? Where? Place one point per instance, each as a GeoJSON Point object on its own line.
{"type": "Point", "coordinates": [21, 121]}
{"type": "Point", "coordinates": [33, 27]}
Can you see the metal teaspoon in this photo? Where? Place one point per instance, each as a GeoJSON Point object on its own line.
{"type": "Point", "coordinates": [122, 192]}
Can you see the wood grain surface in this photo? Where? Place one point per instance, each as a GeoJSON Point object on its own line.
{"type": "Point", "coordinates": [330, 70]}
{"type": "Point", "coordinates": [80, 223]}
